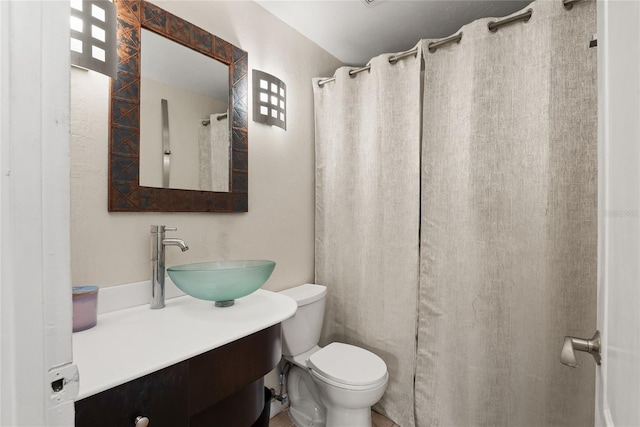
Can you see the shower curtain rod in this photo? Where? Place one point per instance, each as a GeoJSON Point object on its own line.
{"type": "Point", "coordinates": [220, 117]}
{"type": "Point", "coordinates": [568, 4]}
{"type": "Point", "coordinates": [433, 46]}
{"type": "Point", "coordinates": [392, 60]}
{"type": "Point", "coordinates": [493, 26]}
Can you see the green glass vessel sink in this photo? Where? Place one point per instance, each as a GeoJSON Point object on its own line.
{"type": "Point", "coordinates": [221, 281]}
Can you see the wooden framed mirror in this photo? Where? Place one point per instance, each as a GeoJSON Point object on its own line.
{"type": "Point", "coordinates": [126, 194]}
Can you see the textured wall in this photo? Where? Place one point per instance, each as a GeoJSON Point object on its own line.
{"type": "Point", "coordinates": [113, 248]}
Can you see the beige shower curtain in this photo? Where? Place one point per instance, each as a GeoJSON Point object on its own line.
{"type": "Point", "coordinates": [213, 153]}
{"type": "Point", "coordinates": [506, 239]}
{"type": "Point", "coordinates": [508, 229]}
{"type": "Point", "coordinates": [367, 216]}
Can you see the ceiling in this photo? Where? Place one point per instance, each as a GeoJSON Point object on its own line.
{"type": "Point", "coordinates": [354, 31]}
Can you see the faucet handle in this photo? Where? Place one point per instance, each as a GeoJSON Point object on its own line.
{"type": "Point", "coordinates": [161, 229]}
{"type": "Point", "coordinates": [571, 344]}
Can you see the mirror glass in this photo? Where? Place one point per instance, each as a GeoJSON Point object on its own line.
{"type": "Point", "coordinates": [184, 124]}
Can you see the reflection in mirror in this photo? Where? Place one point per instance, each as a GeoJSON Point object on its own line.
{"type": "Point", "coordinates": [184, 125]}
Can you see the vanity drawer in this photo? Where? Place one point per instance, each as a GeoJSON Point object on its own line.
{"type": "Point", "coordinates": [161, 396]}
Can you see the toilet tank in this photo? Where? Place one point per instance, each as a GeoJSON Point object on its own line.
{"type": "Point", "coordinates": [301, 332]}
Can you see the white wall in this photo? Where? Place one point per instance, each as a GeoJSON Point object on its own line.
{"type": "Point", "coordinates": [109, 249]}
{"type": "Point", "coordinates": [187, 110]}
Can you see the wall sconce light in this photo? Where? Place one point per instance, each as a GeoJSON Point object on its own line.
{"type": "Point", "coordinates": [269, 100]}
{"type": "Point", "coordinates": [93, 36]}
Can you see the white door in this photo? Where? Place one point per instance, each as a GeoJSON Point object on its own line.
{"type": "Point", "coordinates": [37, 379]}
{"type": "Point", "coordinates": [618, 378]}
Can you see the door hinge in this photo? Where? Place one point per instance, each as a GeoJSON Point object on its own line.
{"type": "Point", "coordinates": [63, 383]}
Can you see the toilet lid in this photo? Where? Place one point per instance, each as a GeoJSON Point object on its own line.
{"type": "Point", "coordinates": [348, 364]}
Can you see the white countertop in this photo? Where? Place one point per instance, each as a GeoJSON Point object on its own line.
{"type": "Point", "coordinates": [127, 344]}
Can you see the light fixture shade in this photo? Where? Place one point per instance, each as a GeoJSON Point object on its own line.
{"type": "Point", "coordinates": [269, 99]}
{"type": "Point", "coordinates": [93, 36]}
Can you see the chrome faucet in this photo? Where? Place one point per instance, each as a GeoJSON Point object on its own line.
{"type": "Point", "coordinates": [158, 242]}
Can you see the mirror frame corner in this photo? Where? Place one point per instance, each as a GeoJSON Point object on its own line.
{"type": "Point", "coordinates": [125, 192]}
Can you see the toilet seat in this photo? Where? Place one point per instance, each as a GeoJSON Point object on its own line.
{"type": "Point", "coordinates": [350, 388]}
{"type": "Point", "coordinates": [348, 366]}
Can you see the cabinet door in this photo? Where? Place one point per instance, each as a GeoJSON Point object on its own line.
{"type": "Point", "coordinates": [161, 396]}
{"type": "Point", "coordinates": [225, 371]}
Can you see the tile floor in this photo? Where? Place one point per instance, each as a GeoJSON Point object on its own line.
{"type": "Point", "coordinates": [283, 420]}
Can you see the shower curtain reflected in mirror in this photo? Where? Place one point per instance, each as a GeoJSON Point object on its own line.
{"type": "Point", "coordinates": [213, 153]}
{"type": "Point", "coordinates": [508, 195]}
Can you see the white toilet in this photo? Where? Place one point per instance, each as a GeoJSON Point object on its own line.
{"type": "Point", "coordinates": [333, 386]}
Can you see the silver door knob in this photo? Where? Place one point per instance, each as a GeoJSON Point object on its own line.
{"type": "Point", "coordinates": [142, 421]}
{"type": "Point", "coordinates": [572, 344]}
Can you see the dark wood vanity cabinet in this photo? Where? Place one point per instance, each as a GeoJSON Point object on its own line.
{"type": "Point", "coordinates": [222, 387]}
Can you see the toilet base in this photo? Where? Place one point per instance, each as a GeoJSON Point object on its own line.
{"type": "Point", "coordinates": [301, 419]}
{"type": "Point", "coordinates": [305, 405]}
{"type": "Point", "coordinates": [344, 417]}
{"type": "Point", "coordinates": [311, 407]}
